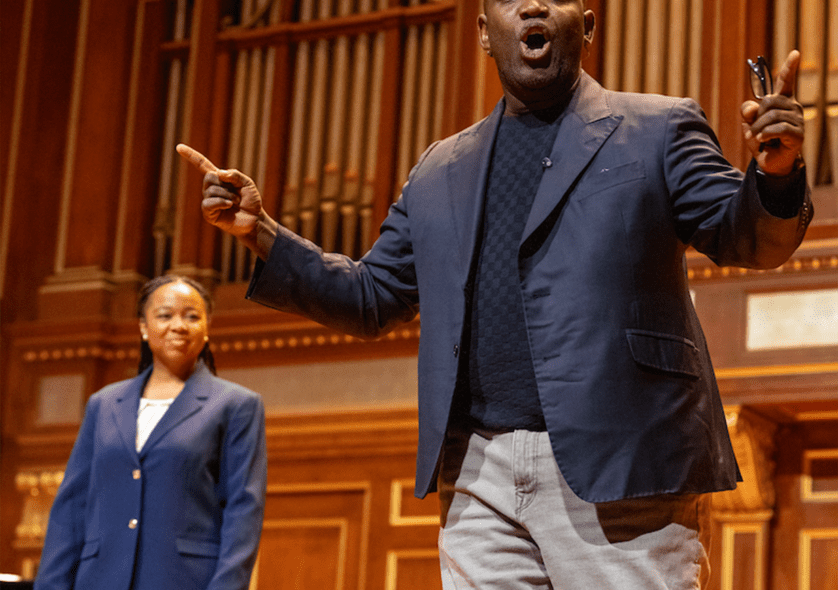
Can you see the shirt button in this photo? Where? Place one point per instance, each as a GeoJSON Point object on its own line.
{"type": "Point", "coordinates": [546, 162]}
{"type": "Point", "coordinates": [132, 524]}
{"type": "Point", "coordinates": [136, 474]}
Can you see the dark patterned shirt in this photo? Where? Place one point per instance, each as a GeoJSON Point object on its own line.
{"type": "Point", "coordinates": [499, 390]}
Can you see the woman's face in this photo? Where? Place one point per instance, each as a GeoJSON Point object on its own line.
{"type": "Point", "coordinates": [175, 325]}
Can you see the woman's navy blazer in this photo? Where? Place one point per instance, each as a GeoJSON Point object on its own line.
{"type": "Point", "coordinates": [185, 513]}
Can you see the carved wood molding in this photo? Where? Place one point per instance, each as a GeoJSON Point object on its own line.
{"type": "Point", "coordinates": [815, 257]}
{"type": "Point", "coordinates": [753, 442]}
{"type": "Point", "coordinates": [38, 488]}
{"type": "Point", "coordinates": [237, 336]}
{"type": "Point", "coordinates": [347, 434]}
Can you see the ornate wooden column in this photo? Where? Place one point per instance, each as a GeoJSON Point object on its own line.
{"type": "Point", "coordinates": [38, 489]}
{"type": "Point", "coordinates": [189, 245]}
{"type": "Point", "coordinates": [741, 533]}
{"type": "Point", "coordinates": [81, 283]}
{"type": "Point", "coordinates": [139, 169]}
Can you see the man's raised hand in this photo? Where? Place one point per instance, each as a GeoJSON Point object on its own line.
{"type": "Point", "coordinates": [779, 116]}
{"type": "Point", "coordinates": [231, 200]}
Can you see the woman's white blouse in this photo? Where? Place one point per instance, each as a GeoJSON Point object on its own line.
{"type": "Point", "coordinates": [149, 414]}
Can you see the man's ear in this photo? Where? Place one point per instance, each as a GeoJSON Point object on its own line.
{"type": "Point", "coordinates": [590, 26]}
{"type": "Point", "coordinates": [483, 35]}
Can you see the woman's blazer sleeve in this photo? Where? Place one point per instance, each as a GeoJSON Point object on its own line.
{"type": "Point", "coordinates": [242, 483]}
{"type": "Point", "coordinates": [66, 530]}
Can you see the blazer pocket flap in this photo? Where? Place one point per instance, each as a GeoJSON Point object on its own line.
{"type": "Point", "coordinates": [194, 547]}
{"type": "Point", "coordinates": [90, 549]}
{"type": "Point", "coordinates": [607, 177]}
{"type": "Point", "coordinates": [664, 352]}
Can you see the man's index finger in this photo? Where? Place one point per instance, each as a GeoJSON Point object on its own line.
{"type": "Point", "coordinates": [786, 78]}
{"type": "Point", "coordinates": [196, 158]}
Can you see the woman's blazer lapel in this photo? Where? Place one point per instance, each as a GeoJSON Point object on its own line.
{"type": "Point", "coordinates": [125, 411]}
{"type": "Point", "coordinates": [189, 401]}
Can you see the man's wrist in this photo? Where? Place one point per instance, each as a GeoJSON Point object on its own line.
{"type": "Point", "coordinates": [266, 231]}
{"type": "Point", "coordinates": [782, 196]}
{"type": "Point", "coordinates": [796, 166]}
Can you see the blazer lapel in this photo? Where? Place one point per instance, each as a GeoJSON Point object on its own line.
{"type": "Point", "coordinates": [583, 130]}
{"type": "Point", "coordinates": [125, 410]}
{"type": "Point", "coordinates": [189, 401]}
{"type": "Point", "coordinates": [467, 176]}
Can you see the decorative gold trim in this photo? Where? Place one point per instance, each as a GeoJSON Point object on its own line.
{"type": "Point", "coordinates": [332, 427]}
{"type": "Point", "coordinates": [761, 516]}
{"type": "Point", "coordinates": [218, 344]}
{"type": "Point", "coordinates": [303, 341]}
{"type": "Point", "coordinates": [776, 370]}
{"type": "Point", "coordinates": [363, 549]}
{"type": "Point", "coordinates": [804, 559]}
{"type": "Point", "coordinates": [38, 487]}
{"type": "Point", "coordinates": [729, 532]}
{"type": "Point", "coordinates": [803, 264]}
{"type": "Point", "coordinates": [816, 415]}
{"type": "Point", "coordinates": [397, 487]}
{"type": "Point", "coordinates": [807, 494]}
{"type": "Point", "coordinates": [254, 576]}
{"type": "Point", "coordinates": [28, 568]}
{"type": "Point", "coordinates": [319, 487]}
{"type": "Point", "coordinates": [827, 243]}
{"type": "Point", "coordinates": [391, 577]}
{"type": "Point", "coordinates": [80, 352]}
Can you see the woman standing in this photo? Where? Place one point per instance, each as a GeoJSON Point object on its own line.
{"type": "Point", "coordinates": [165, 487]}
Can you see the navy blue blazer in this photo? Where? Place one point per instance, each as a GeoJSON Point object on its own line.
{"type": "Point", "coordinates": [183, 514]}
{"type": "Point", "coordinates": [624, 376]}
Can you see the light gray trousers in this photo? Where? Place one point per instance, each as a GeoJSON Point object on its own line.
{"type": "Point", "coordinates": [509, 521]}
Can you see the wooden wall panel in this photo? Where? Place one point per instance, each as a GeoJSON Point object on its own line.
{"type": "Point", "coordinates": [818, 559]}
{"type": "Point", "coordinates": [804, 550]}
{"type": "Point", "coordinates": [315, 535]}
{"type": "Point", "coordinates": [416, 569]}
{"type": "Point", "coordinates": [340, 511]}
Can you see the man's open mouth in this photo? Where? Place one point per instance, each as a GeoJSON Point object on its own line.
{"type": "Point", "coordinates": [534, 43]}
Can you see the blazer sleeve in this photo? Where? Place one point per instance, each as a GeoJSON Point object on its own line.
{"type": "Point", "coordinates": [242, 483]}
{"type": "Point", "coordinates": [717, 210]}
{"type": "Point", "coordinates": [66, 527]}
{"type": "Point", "coordinates": [364, 298]}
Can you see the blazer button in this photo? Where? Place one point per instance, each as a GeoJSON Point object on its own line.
{"type": "Point", "coordinates": [132, 524]}
{"type": "Point", "coordinates": [136, 474]}
{"type": "Point", "coordinates": [456, 350]}
{"type": "Point", "coordinates": [546, 163]}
